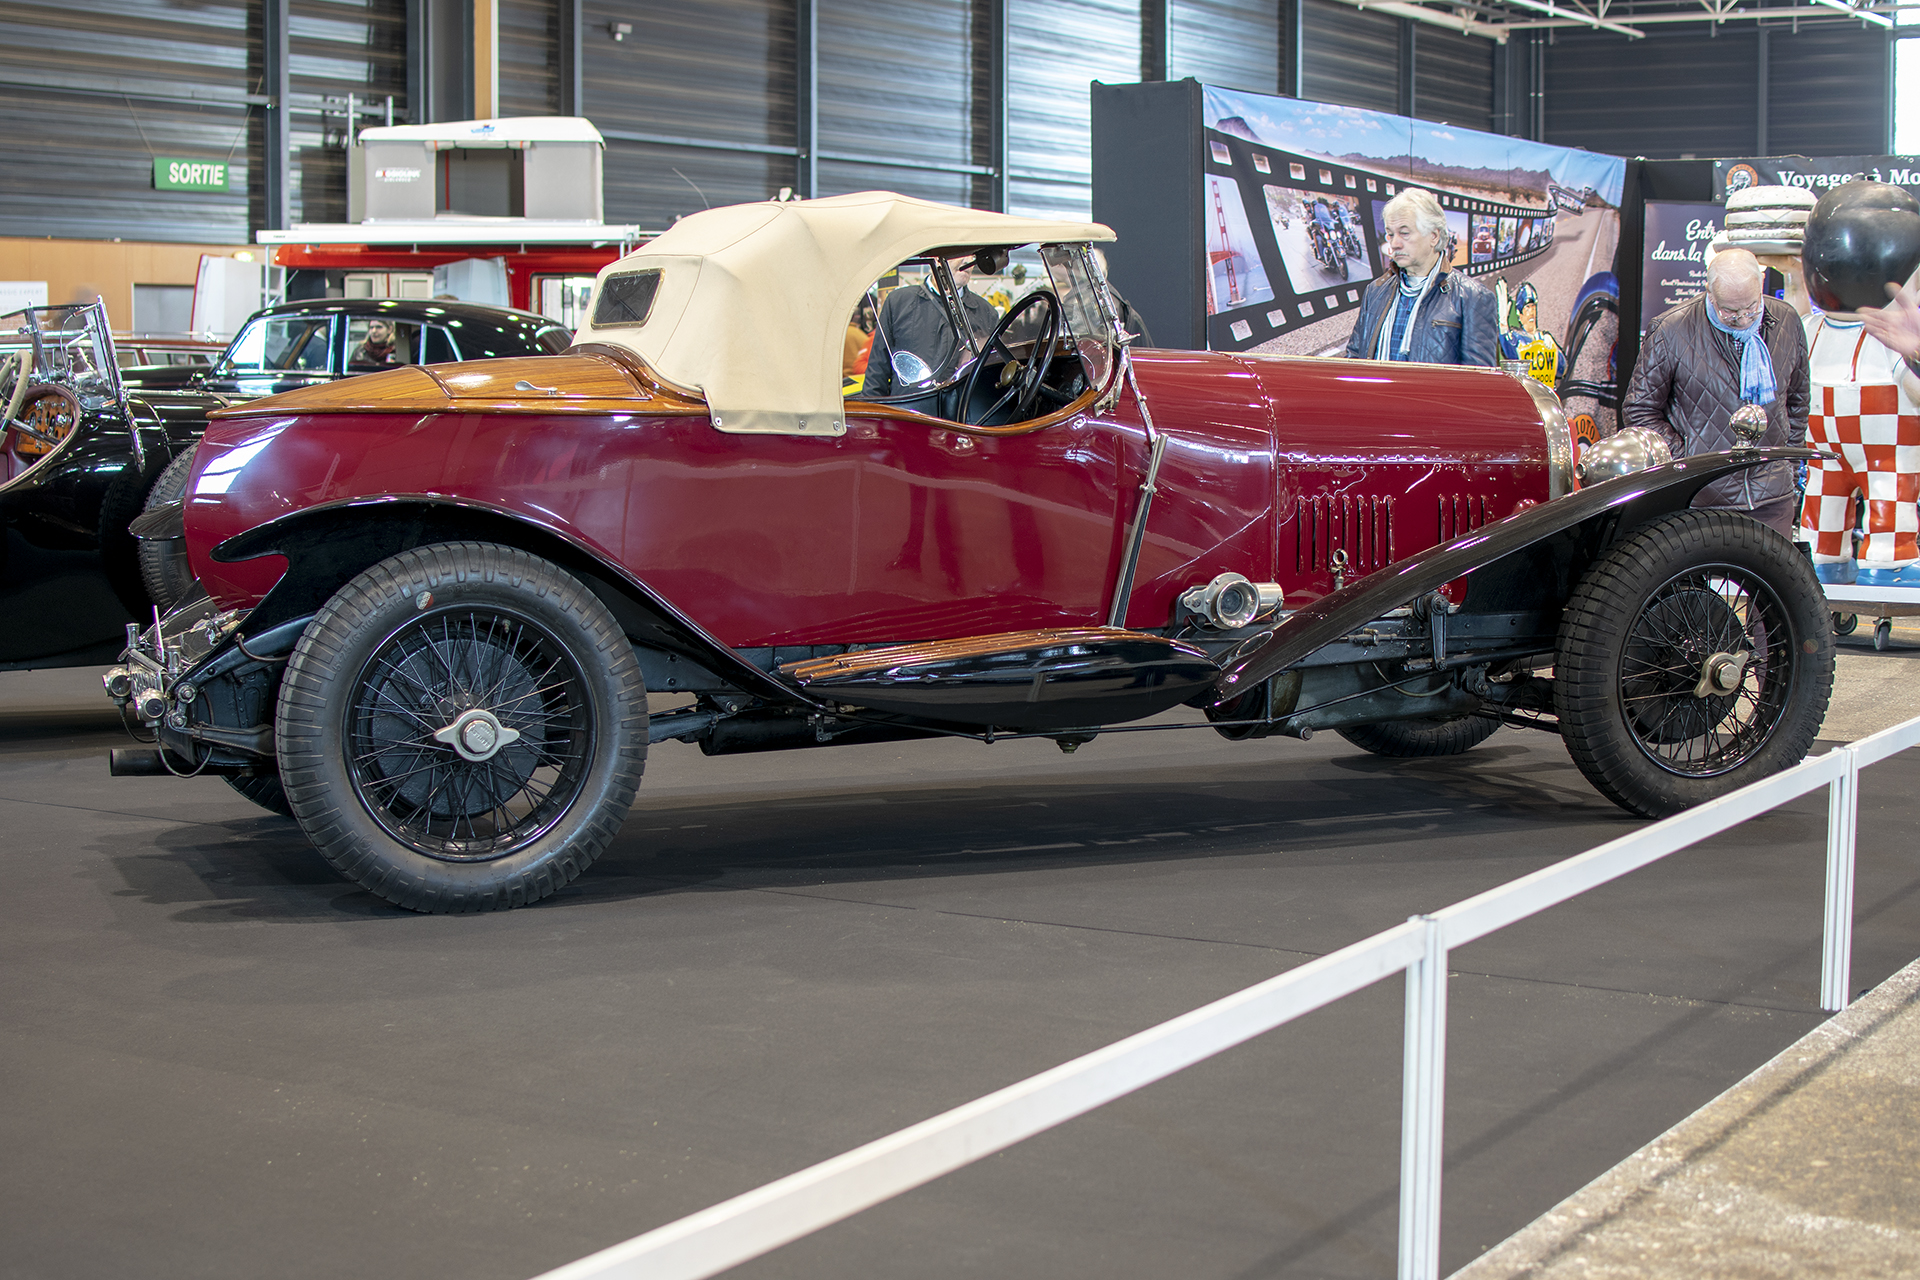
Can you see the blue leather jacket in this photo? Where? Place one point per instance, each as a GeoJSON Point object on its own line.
{"type": "Point", "coordinates": [1454, 324]}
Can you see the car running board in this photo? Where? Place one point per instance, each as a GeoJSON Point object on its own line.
{"type": "Point", "coordinates": [1029, 680]}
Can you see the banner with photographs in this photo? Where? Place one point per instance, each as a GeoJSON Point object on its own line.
{"type": "Point", "coordinates": [1293, 208]}
{"type": "Point", "coordinates": [1818, 175]}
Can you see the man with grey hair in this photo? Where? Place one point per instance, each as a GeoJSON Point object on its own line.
{"type": "Point", "coordinates": [1421, 310]}
{"type": "Point", "coordinates": [1705, 358]}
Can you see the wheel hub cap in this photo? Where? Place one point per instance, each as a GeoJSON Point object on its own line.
{"type": "Point", "coordinates": [1722, 674]}
{"type": "Point", "coordinates": [477, 735]}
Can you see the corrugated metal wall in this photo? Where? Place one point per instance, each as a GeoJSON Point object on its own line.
{"type": "Point", "coordinates": [897, 82]}
{"type": "Point", "coordinates": [1055, 48]}
{"type": "Point", "coordinates": [1827, 90]}
{"type": "Point", "coordinates": [336, 48]}
{"type": "Point", "coordinates": [95, 92]}
{"type": "Point", "coordinates": [79, 158]}
{"type": "Point", "coordinates": [1682, 92]}
{"type": "Point", "coordinates": [1352, 56]}
{"type": "Point", "coordinates": [79, 161]}
{"type": "Point", "coordinates": [529, 57]}
{"type": "Point", "coordinates": [1233, 43]}
{"type": "Point", "coordinates": [1453, 77]}
{"type": "Point", "coordinates": [1678, 92]}
{"type": "Point", "coordinates": [721, 71]}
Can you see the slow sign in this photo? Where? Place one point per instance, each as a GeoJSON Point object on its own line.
{"type": "Point", "coordinates": [174, 173]}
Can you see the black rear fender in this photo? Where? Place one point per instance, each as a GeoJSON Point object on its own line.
{"type": "Point", "coordinates": [1527, 563]}
{"type": "Point", "coordinates": [327, 546]}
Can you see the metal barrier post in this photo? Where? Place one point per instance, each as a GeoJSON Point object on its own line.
{"type": "Point", "coordinates": [1423, 1106]}
{"type": "Point", "coordinates": [1836, 952]}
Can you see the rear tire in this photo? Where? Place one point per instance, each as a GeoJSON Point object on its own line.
{"type": "Point", "coordinates": [1681, 599]}
{"type": "Point", "coordinates": [462, 728]}
{"type": "Point", "coordinates": [1410, 738]}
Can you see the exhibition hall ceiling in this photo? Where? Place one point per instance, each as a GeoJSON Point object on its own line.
{"type": "Point", "coordinates": [1498, 19]}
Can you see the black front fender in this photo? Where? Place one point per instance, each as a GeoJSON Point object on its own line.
{"type": "Point", "coordinates": [1527, 561]}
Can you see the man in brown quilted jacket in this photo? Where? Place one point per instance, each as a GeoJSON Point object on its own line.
{"type": "Point", "coordinates": [1705, 358]}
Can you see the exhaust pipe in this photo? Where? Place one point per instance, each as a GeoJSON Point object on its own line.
{"type": "Point", "coordinates": [137, 762]}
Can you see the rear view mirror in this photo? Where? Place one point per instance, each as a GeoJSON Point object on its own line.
{"type": "Point", "coordinates": [910, 369]}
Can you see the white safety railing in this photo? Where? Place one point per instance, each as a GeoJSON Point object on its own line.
{"type": "Point", "coordinates": [780, 1212]}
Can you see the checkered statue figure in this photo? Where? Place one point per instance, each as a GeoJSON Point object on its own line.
{"type": "Point", "coordinates": [1865, 398]}
{"type": "Point", "coordinates": [1864, 410]}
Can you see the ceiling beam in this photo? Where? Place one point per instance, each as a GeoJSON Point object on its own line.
{"type": "Point", "coordinates": [1420, 13]}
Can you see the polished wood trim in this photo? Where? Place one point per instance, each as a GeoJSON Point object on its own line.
{"type": "Point", "coordinates": [408, 390]}
{"type": "Point", "coordinates": [583, 383]}
{"type": "Point", "coordinates": [548, 379]}
{"type": "Point", "coordinates": [634, 365]}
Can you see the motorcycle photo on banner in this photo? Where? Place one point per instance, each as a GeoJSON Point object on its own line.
{"type": "Point", "coordinates": [1536, 223]}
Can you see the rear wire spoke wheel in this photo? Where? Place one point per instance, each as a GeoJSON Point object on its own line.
{"type": "Point", "coordinates": [1694, 658]}
{"type": "Point", "coordinates": [462, 728]}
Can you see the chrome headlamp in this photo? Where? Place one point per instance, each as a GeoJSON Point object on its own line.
{"type": "Point", "coordinates": [1626, 451]}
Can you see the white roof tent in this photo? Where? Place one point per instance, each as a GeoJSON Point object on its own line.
{"type": "Point", "coordinates": [537, 168]}
{"type": "Point", "coordinates": [506, 132]}
{"type": "Point", "coordinates": [748, 303]}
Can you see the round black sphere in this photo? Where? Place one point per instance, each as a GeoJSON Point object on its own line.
{"type": "Point", "coordinates": [1859, 237]}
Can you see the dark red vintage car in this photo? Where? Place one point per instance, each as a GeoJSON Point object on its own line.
{"type": "Point", "coordinates": [437, 597]}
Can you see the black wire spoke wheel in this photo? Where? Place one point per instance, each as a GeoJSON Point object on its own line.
{"type": "Point", "coordinates": [1695, 657]}
{"type": "Point", "coordinates": [469, 733]}
{"type": "Point", "coordinates": [1705, 672]}
{"type": "Point", "coordinates": [462, 727]}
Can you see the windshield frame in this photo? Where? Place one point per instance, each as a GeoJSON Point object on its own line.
{"type": "Point", "coordinates": [56, 334]}
{"type": "Point", "coordinates": [1068, 269]}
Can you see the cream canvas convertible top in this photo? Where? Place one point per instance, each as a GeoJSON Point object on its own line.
{"type": "Point", "coordinates": [753, 300]}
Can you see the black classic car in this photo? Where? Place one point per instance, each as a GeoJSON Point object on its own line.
{"type": "Point", "coordinates": [87, 445]}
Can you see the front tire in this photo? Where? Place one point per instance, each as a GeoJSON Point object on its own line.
{"type": "Point", "coordinates": [1694, 658]}
{"type": "Point", "coordinates": [263, 789]}
{"type": "Point", "coordinates": [163, 563]}
{"type": "Point", "coordinates": [462, 728]}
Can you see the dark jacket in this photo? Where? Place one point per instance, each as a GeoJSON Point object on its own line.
{"type": "Point", "coordinates": [1687, 385]}
{"type": "Point", "coordinates": [1454, 324]}
{"type": "Point", "coordinates": [914, 318]}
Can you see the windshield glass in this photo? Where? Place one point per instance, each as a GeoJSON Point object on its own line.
{"type": "Point", "coordinates": [1089, 309]}
{"type": "Point", "coordinates": [68, 345]}
{"type": "Point", "coordinates": [907, 335]}
{"type": "Point", "coordinates": [279, 343]}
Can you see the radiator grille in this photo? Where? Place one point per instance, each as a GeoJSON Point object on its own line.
{"type": "Point", "coordinates": [1360, 526]}
{"type": "Point", "coordinates": [1461, 512]}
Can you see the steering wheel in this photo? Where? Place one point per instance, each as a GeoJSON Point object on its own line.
{"type": "Point", "coordinates": [1022, 380]}
{"type": "Point", "coordinates": [22, 363]}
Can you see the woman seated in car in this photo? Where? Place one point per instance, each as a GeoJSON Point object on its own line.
{"type": "Point", "coordinates": [378, 349]}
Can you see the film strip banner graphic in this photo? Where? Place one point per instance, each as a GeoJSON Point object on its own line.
{"type": "Point", "coordinates": [1291, 240]}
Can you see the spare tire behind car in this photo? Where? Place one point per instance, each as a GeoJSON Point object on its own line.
{"type": "Point", "coordinates": [163, 564]}
{"type": "Point", "coordinates": [1428, 737]}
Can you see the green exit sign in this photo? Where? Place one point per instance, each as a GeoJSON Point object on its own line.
{"type": "Point", "coordinates": [171, 173]}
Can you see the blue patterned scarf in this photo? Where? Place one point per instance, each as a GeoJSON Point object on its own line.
{"type": "Point", "coordinates": [1756, 362]}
